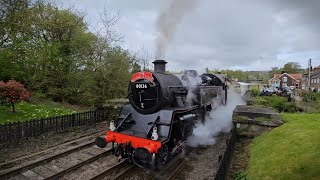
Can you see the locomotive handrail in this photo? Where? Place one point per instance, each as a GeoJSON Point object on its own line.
{"type": "Point", "coordinates": [154, 123]}
{"type": "Point", "coordinates": [180, 87]}
{"type": "Point", "coordinates": [120, 124]}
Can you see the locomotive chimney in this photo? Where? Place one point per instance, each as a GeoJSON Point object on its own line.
{"type": "Point", "coordinates": [160, 66]}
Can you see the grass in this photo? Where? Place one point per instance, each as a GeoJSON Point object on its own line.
{"type": "Point", "coordinates": [291, 151]}
{"type": "Point", "coordinates": [26, 111]}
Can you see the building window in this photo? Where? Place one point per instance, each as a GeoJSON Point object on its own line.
{"type": "Point", "coordinates": [284, 84]}
{"type": "Point", "coordinates": [318, 81]}
{"type": "Point", "coordinates": [284, 79]}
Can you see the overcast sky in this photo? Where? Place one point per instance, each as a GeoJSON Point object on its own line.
{"type": "Point", "coordinates": [233, 34]}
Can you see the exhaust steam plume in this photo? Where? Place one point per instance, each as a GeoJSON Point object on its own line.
{"type": "Point", "coordinates": [167, 22]}
{"type": "Point", "coordinates": [217, 121]}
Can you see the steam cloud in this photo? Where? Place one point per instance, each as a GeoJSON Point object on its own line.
{"type": "Point", "coordinates": [217, 121]}
{"type": "Point", "coordinates": [167, 22]}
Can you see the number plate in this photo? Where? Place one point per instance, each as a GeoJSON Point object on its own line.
{"type": "Point", "coordinates": [141, 86]}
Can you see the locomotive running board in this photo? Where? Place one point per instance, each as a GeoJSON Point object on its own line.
{"type": "Point", "coordinates": [142, 123]}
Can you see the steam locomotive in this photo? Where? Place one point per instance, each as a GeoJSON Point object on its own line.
{"type": "Point", "coordinates": [163, 110]}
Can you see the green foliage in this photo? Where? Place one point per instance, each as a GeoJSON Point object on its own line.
{"type": "Point", "coordinates": [290, 67]}
{"type": "Point", "coordinates": [240, 175]}
{"type": "Point", "coordinates": [313, 96]}
{"type": "Point", "coordinates": [290, 151]}
{"type": "Point", "coordinates": [26, 111]}
{"type": "Point", "coordinates": [233, 74]}
{"type": "Point", "coordinates": [54, 54]}
{"type": "Point", "coordinates": [281, 104]}
{"type": "Point", "coordinates": [254, 92]}
{"type": "Point", "coordinates": [244, 76]}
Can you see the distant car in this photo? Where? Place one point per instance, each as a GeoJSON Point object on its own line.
{"type": "Point", "coordinates": [267, 92]}
{"type": "Point", "coordinates": [285, 91]}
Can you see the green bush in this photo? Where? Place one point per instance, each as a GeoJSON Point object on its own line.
{"type": "Point", "coordinates": [39, 95]}
{"type": "Point", "coordinates": [254, 92]}
{"type": "Point", "coordinates": [313, 96]}
{"type": "Point", "coordinates": [281, 104]}
{"type": "Point", "coordinates": [240, 175]}
{"type": "Point", "coordinates": [290, 107]}
{"type": "Point", "coordinates": [278, 103]}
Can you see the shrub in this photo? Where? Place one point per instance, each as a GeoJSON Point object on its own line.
{"type": "Point", "coordinates": [254, 92]}
{"type": "Point", "coordinates": [291, 107]}
{"type": "Point", "coordinates": [313, 96]}
{"type": "Point", "coordinates": [13, 92]}
{"type": "Point", "coordinates": [240, 175]}
{"type": "Point", "coordinates": [278, 103]}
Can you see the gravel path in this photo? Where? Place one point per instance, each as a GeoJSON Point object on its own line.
{"type": "Point", "coordinates": [203, 163]}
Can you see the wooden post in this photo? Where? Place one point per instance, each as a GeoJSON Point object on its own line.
{"type": "Point", "coordinates": [41, 126]}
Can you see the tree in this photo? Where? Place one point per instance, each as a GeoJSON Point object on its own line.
{"type": "Point", "coordinates": [13, 92]}
{"type": "Point", "coordinates": [292, 67]}
{"type": "Point", "coordinates": [53, 51]}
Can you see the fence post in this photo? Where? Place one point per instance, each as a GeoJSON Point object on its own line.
{"type": "Point", "coordinates": [1, 135]}
{"type": "Point", "coordinates": [41, 126]}
{"type": "Point", "coordinates": [73, 120]}
{"type": "Point", "coordinates": [56, 121]}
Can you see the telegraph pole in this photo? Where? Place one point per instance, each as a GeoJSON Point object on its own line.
{"type": "Point", "coordinates": [309, 74]}
{"type": "Point", "coordinates": [309, 78]}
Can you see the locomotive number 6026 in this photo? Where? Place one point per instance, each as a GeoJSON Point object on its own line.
{"type": "Point", "coordinates": [141, 86]}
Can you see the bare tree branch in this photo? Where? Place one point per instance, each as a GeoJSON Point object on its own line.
{"type": "Point", "coordinates": [109, 20]}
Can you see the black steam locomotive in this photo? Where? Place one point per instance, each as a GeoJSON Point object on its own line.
{"type": "Point", "coordinates": [162, 112]}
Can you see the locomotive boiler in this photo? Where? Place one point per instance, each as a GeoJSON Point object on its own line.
{"type": "Point", "coordinates": [163, 109]}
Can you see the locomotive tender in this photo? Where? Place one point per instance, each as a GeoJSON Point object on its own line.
{"type": "Point", "coordinates": [161, 115]}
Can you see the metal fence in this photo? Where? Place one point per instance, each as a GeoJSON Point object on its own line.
{"type": "Point", "coordinates": [11, 132]}
{"type": "Point", "coordinates": [226, 157]}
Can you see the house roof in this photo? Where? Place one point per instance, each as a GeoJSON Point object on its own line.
{"type": "Point", "coordinates": [315, 74]}
{"type": "Point", "coordinates": [243, 83]}
{"type": "Point", "coordinates": [294, 76]}
{"type": "Point", "coordinates": [317, 67]}
{"type": "Point", "coordinates": [275, 79]}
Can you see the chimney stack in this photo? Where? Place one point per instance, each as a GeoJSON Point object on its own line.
{"type": "Point", "coordinates": [160, 66]}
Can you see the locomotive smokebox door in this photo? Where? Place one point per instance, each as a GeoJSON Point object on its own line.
{"type": "Point", "coordinates": [144, 92]}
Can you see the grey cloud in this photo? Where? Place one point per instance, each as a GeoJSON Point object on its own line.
{"type": "Point", "coordinates": [224, 33]}
{"type": "Point", "coordinates": [242, 33]}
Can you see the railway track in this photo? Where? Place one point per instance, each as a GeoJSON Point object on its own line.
{"type": "Point", "coordinates": [118, 171]}
{"type": "Point", "coordinates": [83, 161]}
{"type": "Point", "coordinates": [170, 171]}
{"type": "Point", "coordinates": [173, 167]}
{"type": "Point", "coordinates": [50, 150]}
{"type": "Point", "coordinates": [86, 161]}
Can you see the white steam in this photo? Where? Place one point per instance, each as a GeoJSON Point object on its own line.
{"type": "Point", "coordinates": [217, 121]}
